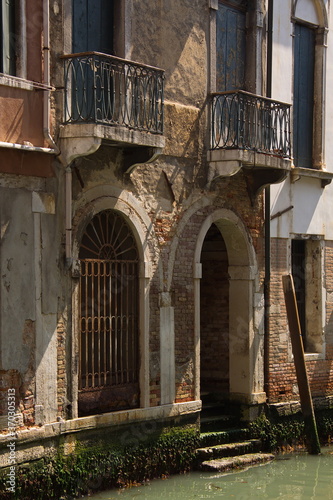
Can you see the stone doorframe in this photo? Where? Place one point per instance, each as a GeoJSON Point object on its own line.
{"type": "Point", "coordinates": [246, 312]}
{"type": "Point", "coordinates": [111, 198]}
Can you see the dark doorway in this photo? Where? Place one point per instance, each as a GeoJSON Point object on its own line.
{"type": "Point", "coordinates": [214, 315]}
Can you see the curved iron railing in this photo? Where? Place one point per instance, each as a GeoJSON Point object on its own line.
{"type": "Point", "coordinates": [241, 120]}
{"type": "Point", "coordinates": [104, 89]}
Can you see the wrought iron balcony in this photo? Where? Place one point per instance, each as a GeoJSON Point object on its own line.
{"type": "Point", "coordinates": [245, 121]}
{"type": "Point", "coordinates": [107, 90]}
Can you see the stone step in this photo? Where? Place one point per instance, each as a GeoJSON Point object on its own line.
{"type": "Point", "coordinates": [240, 461]}
{"type": "Point", "coordinates": [229, 449]}
{"type": "Point", "coordinates": [217, 422]}
{"type": "Point", "coordinates": [233, 434]}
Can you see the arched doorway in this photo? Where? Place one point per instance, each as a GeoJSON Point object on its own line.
{"type": "Point", "coordinates": [228, 308]}
{"type": "Point", "coordinates": [214, 317]}
{"type": "Point", "coordinates": [108, 316]}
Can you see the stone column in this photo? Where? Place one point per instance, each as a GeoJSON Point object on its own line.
{"type": "Point", "coordinates": [167, 339]}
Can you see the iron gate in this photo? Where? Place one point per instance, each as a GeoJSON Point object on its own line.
{"type": "Point", "coordinates": [108, 339]}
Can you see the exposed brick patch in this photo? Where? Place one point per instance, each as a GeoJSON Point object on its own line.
{"type": "Point", "coordinates": [9, 379]}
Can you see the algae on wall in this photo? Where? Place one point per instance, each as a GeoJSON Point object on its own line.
{"type": "Point", "coordinates": [93, 468]}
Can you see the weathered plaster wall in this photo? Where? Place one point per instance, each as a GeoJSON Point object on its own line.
{"type": "Point", "coordinates": [29, 294]}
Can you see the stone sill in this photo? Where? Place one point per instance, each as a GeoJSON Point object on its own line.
{"type": "Point", "coordinates": [313, 356]}
{"type": "Point", "coordinates": [19, 83]}
{"type": "Point", "coordinates": [322, 175]}
{"type": "Point", "coordinates": [76, 425]}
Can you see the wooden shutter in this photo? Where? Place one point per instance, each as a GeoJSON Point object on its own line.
{"type": "Point", "coordinates": [304, 54]}
{"type": "Point", "coordinates": [93, 26]}
{"type": "Point", "coordinates": [230, 50]}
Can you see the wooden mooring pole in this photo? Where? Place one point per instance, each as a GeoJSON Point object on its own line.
{"type": "Point", "coordinates": [311, 433]}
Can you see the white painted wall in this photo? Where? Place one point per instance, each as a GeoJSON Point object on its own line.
{"type": "Point", "coordinates": [313, 205]}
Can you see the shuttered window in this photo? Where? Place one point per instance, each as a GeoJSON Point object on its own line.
{"type": "Point", "coordinates": [304, 56]}
{"type": "Point", "coordinates": [93, 26]}
{"type": "Point", "coordinates": [230, 50]}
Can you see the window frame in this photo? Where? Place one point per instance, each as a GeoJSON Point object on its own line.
{"type": "Point", "coordinates": [318, 123]}
{"type": "Point", "coordinates": [314, 306]}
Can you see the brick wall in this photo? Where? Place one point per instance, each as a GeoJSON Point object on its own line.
{"type": "Point", "coordinates": [283, 383]}
{"type": "Point", "coordinates": [230, 195]}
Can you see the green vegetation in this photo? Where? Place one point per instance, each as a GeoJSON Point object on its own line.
{"type": "Point", "coordinates": [96, 468]}
{"type": "Point", "coordinates": [289, 431]}
{"type": "Point", "coordinates": [111, 464]}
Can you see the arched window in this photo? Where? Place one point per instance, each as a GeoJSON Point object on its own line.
{"type": "Point", "coordinates": [310, 32]}
{"type": "Point", "coordinates": [109, 332]}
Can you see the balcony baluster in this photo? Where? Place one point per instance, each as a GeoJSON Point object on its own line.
{"type": "Point", "coordinates": [111, 91]}
{"type": "Point", "coordinates": [241, 120]}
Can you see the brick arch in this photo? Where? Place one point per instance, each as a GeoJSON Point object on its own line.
{"type": "Point", "coordinates": [312, 11]}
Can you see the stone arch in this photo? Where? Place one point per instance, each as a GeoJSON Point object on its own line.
{"type": "Point", "coordinates": [245, 345]}
{"type": "Point", "coordinates": [95, 201]}
{"type": "Point", "coordinates": [311, 11]}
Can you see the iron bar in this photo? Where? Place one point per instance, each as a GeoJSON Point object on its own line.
{"type": "Point", "coordinates": [241, 120]}
{"type": "Point", "coordinates": [104, 89]}
{"type": "Point", "coordinates": [107, 343]}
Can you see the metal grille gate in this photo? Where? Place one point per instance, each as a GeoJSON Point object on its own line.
{"type": "Point", "coordinates": [108, 341]}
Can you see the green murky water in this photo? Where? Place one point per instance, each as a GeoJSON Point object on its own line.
{"type": "Point", "coordinates": [294, 477]}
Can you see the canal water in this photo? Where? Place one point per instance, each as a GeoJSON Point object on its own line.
{"type": "Point", "coordinates": [289, 477]}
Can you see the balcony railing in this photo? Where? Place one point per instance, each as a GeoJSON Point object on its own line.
{"type": "Point", "coordinates": [241, 120]}
{"type": "Point", "coordinates": [111, 91]}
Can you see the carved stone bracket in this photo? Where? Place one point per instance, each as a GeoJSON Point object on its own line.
{"type": "Point", "coordinates": [257, 178]}
{"type": "Point", "coordinates": [85, 139]}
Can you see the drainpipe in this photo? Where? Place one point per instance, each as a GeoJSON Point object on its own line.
{"type": "Point", "coordinates": [68, 215]}
{"type": "Point", "coordinates": [268, 215]}
{"type": "Point", "coordinates": [47, 133]}
{"type": "Point", "coordinates": [47, 92]}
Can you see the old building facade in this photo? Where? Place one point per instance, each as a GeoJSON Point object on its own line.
{"type": "Point", "coordinates": [161, 169]}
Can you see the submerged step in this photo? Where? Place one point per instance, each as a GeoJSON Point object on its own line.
{"type": "Point", "coordinates": [229, 449]}
{"type": "Point", "coordinates": [224, 464]}
{"type": "Point", "coordinates": [217, 422]}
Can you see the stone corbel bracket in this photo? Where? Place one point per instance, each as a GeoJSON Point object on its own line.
{"type": "Point", "coordinates": [85, 139]}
